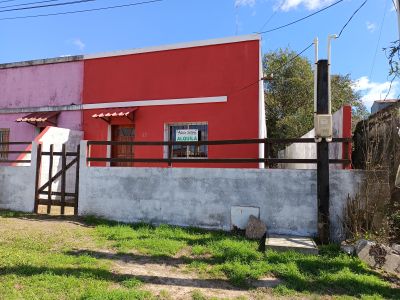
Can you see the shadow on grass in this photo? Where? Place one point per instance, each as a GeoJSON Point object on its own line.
{"type": "Point", "coordinates": [98, 274]}
{"type": "Point", "coordinates": [309, 279]}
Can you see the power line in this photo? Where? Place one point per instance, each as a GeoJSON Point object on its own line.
{"type": "Point", "coordinates": [81, 11]}
{"type": "Point", "coordinates": [29, 3]}
{"type": "Point", "coordinates": [47, 5]}
{"type": "Point", "coordinates": [379, 39]}
{"type": "Point", "coordinates": [395, 6]}
{"type": "Point", "coordinates": [8, 1]}
{"type": "Point", "coordinates": [348, 21]}
{"type": "Point", "coordinates": [272, 15]}
{"type": "Point", "coordinates": [292, 59]}
{"type": "Point", "coordinates": [301, 19]}
{"type": "Point", "coordinates": [277, 69]}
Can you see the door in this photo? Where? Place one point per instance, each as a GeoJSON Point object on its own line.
{"type": "Point", "coordinates": [122, 133]}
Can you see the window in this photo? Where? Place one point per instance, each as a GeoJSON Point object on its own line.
{"type": "Point", "coordinates": [193, 151]}
{"type": "Point", "coordinates": [4, 138]}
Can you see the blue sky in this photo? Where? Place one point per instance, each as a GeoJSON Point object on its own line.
{"type": "Point", "coordinates": [172, 21]}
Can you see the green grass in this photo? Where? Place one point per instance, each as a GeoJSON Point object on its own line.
{"type": "Point", "coordinates": [218, 255]}
{"type": "Point", "coordinates": [58, 261]}
{"type": "Point", "coordinates": [35, 264]}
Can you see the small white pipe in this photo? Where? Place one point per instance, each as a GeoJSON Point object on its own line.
{"type": "Point", "coordinates": [397, 6]}
{"type": "Point", "coordinates": [333, 36]}
{"type": "Point", "coordinates": [315, 74]}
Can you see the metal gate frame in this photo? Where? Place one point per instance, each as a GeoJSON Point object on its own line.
{"type": "Point", "coordinates": [72, 200]}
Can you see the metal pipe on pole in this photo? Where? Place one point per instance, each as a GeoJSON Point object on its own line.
{"type": "Point", "coordinates": [398, 15]}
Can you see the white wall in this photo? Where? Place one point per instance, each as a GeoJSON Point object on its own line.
{"type": "Point", "coordinates": [17, 186]}
{"type": "Point", "coordinates": [309, 150]}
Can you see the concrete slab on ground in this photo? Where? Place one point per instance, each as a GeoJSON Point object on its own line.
{"type": "Point", "coordinates": [301, 244]}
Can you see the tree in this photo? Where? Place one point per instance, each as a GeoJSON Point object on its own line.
{"type": "Point", "coordinates": [289, 95]}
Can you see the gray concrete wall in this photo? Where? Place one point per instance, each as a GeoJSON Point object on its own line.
{"type": "Point", "coordinates": [17, 186]}
{"type": "Point", "coordinates": [286, 199]}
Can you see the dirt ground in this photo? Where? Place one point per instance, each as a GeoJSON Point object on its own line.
{"type": "Point", "coordinates": [167, 278]}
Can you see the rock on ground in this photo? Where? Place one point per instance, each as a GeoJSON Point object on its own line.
{"type": "Point", "coordinates": [255, 228]}
{"type": "Point", "coordinates": [378, 256]}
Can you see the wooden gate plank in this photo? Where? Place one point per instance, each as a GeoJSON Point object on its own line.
{"type": "Point", "coordinates": [77, 180]}
{"type": "Point", "coordinates": [50, 177]}
{"type": "Point", "coordinates": [38, 163]}
{"type": "Point", "coordinates": [63, 178]}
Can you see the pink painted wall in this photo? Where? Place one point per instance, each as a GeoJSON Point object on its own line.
{"type": "Point", "coordinates": [42, 85]}
{"type": "Point", "coordinates": [51, 84]}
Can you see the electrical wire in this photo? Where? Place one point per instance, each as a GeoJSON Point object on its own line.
{"type": "Point", "coordinates": [394, 4]}
{"type": "Point", "coordinates": [29, 3]}
{"type": "Point", "coordinates": [348, 21]}
{"type": "Point", "coordinates": [292, 59]}
{"type": "Point", "coordinates": [81, 11]}
{"type": "Point", "coordinates": [47, 5]}
{"type": "Point", "coordinates": [277, 69]}
{"type": "Point", "coordinates": [8, 1]}
{"type": "Point", "coordinates": [301, 19]}
{"type": "Point", "coordinates": [379, 39]}
{"type": "Point", "coordinates": [272, 15]}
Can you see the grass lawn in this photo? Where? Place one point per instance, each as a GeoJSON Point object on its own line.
{"type": "Point", "coordinates": [48, 258]}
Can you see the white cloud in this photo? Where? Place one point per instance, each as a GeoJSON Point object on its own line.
{"type": "Point", "coordinates": [372, 91]}
{"type": "Point", "coordinates": [287, 5]}
{"type": "Point", "coordinates": [79, 44]}
{"type": "Point", "coordinates": [370, 26]}
{"type": "Point", "coordinates": [245, 3]}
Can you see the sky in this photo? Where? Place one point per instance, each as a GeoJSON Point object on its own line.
{"type": "Point", "coordinates": [358, 52]}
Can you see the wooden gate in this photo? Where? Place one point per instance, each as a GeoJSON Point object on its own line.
{"type": "Point", "coordinates": [58, 189]}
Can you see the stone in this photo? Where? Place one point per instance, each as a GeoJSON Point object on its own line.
{"type": "Point", "coordinates": [396, 248]}
{"type": "Point", "coordinates": [378, 256]}
{"type": "Point", "coordinates": [255, 228]}
{"type": "Point", "coordinates": [348, 248]}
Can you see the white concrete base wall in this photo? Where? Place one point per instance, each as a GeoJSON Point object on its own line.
{"type": "Point", "coordinates": [203, 197]}
{"type": "Point", "coordinates": [17, 186]}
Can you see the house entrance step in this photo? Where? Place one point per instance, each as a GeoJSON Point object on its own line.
{"type": "Point", "coordinates": [301, 244]}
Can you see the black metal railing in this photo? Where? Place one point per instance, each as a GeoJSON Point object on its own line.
{"type": "Point", "coordinates": [268, 142]}
{"type": "Point", "coordinates": [5, 151]}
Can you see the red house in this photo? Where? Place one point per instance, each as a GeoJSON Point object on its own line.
{"type": "Point", "coordinates": [206, 90]}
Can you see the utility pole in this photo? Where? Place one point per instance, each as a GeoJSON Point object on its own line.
{"type": "Point", "coordinates": [323, 135]}
{"type": "Point", "coordinates": [323, 153]}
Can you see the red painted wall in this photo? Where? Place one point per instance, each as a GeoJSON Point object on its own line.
{"type": "Point", "coordinates": [207, 71]}
{"type": "Point", "coordinates": [346, 147]}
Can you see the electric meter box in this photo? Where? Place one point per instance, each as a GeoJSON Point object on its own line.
{"type": "Point", "coordinates": [323, 126]}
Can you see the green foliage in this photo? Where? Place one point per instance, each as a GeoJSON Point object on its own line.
{"type": "Point", "coordinates": [289, 95]}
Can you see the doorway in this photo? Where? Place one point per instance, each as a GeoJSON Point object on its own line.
{"type": "Point", "coordinates": [122, 133]}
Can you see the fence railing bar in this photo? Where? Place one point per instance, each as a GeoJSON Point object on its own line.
{"type": "Point", "coordinates": [219, 142]}
{"type": "Point", "coordinates": [60, 153]}
{"type": "Point", "coordinates": [57, 194]}
{"type": "Point", "coordinates": [15, 143]}
{"type": "Point", "coordinates": [215, 160]}
{"type": "Point", "coordinates": [54, 202]}
{"type": "Point", "coordinates": [15, 152]}
{"type": "Point", "coordinates": [15, 161]}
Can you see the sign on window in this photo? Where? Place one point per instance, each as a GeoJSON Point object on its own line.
{"type": "Point", "coordinates": [187, 135]}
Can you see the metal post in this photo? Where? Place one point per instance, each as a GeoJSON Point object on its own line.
{"type": "Point", "coordinates": [398, 16]}
{"type": "Point", "coordinates": [323, 155]}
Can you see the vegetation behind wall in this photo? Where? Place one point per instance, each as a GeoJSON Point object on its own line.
{"type": "Point", "coordinates": [377, 147]}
